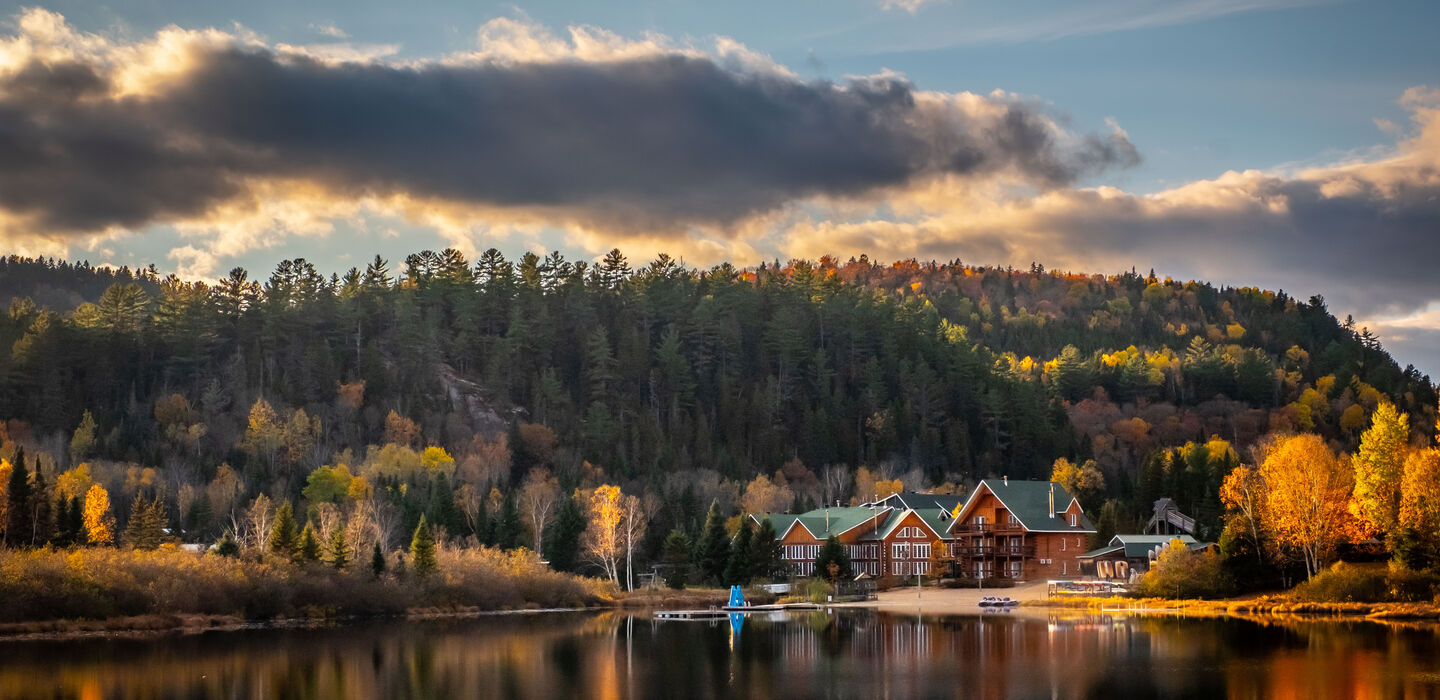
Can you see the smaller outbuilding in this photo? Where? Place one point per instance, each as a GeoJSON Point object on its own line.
{"type": "Point", "coordinates": [1126, 557]}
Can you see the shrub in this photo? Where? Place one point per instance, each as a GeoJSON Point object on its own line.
{"type": "Point", "coordinates": [1345, 583]}
{"type": "Point", "coordinates": [1180, 573]}
{"type": "Point", "coordinates": [96, 583]}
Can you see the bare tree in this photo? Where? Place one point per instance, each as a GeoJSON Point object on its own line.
{"type": "Point", "coordinates": [635, 519]}
{"type": "Point", "coordinates": [468, 499]}
{"type": "Point", "coordinates": [256, 533]}
{"type": "Point", "coordinates": [538, 497]}
{"type": "Point", "coordinates": [833, 481]}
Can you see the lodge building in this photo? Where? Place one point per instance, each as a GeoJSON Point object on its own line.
{"type": "Point", "coordinates": [1023, 530]}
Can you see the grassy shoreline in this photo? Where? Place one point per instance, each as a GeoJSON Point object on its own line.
{"type": "Point", "coordinates": [1259, 606]}
{"type": "Point", "coordinates": [106, 591]}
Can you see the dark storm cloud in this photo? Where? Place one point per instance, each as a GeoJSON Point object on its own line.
{"type": "Point", "coordinates": [663, 140]}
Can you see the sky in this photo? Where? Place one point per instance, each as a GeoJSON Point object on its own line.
{"type": "Point", "coordinates": [1290, 144]}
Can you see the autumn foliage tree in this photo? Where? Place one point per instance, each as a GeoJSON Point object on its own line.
{"type": "Point", "coordinates": [99, 523]}
{"type": "Point", "coordinates": [1379, 469]}
{"type": "Point", "coordinates": [1306, 492]}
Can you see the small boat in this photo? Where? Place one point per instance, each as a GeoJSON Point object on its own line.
{"type": "Point", "coordinates": [994, 602]}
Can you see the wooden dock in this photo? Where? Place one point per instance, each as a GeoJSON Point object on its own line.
{"type": "Point", "coordinates": [721, 612]}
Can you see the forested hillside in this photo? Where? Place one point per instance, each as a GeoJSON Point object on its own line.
{"type": "Point", "coordinates": [687, 384]}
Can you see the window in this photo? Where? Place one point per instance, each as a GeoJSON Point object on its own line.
{"type": "Point", "coordinates": [922, 551]}
{"type": "Point", "coordinates": [900, 550]}
{"type": "Point", "coordinates": [1074, 520]}
{"type": "Point", "coordinates": [1015, 568]}
{"type": "Point", "coordinates": [1064, 568]}
{"type": "Point", "coordinates": [978, 520]}
{"type": "Point", "coordinates": [1010, 518]}
{"type": "Point", "coordinates": [1063, 541]}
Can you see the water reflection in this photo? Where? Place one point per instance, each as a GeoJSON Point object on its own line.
{"type": "Point", "coordinates": [854, 654]}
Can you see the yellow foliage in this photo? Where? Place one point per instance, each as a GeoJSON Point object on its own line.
{"type": "Point", "coordinates": [1234, 331]}
{"type": "Point", "coordinates": [1306, 491]}
{"type": "Point", "coordinates": [75, 482]}
{"type": "Point", "coordinates": [436, 460]}
{"type": "Point", "coordinates": [99, 523]}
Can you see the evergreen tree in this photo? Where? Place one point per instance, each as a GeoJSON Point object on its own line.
{"type": "Point", "coordinates": [422, 549]}
{"type": "Point", "coordinates": [146, 528]}
{"type": "Point", "coordinates": [18, 530]}
{"type": "Point", "coordinates": [738, 567]}
{"type": "Point", "coordinates": [562, 542]}
{"type": "Point", "coordinates": [75, 521]}
{"type": "Point", "coordinates": [676, 554]}
{"type": "Point", "coordinates": [284, 534]}
{"type": "Point", "coordinates": [508, 534]}
{"type": "Point", "coordinates": [766, 560]}
{"type": "Point", "coordinates": [309, 548]}
{"type": "Point", "coordinates": [714, 546]}
{"type": "Point", "coordinates": [377, 561]}
{"type": "Point", "coordinates": [339, 550]}
{"type": "Point", "coordinates": [41, 509]}
{"type": "Point", "coordinates": [832, 562]}
{"type": "Point", "coordinates": [227, 546]}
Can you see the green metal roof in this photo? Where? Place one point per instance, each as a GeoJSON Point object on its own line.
{"type": "Point", "coordinates": [1140, 546]}
{"type": "Point", "coordinates": [824, 522]}
{"type": "Point", "coordinates": [1029, 501]}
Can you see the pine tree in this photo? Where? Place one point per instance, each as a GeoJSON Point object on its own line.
{"type": "Point", "coordinates": [309, 548]}
{"type": "Point", "coordinates": [340, 549]}
{"type": "Point", "coordinates": [284, 534]}
{"type": "Point", "coordinates": [377, 561]}
{"type": "Point", "coordinates": [714, 546]}
{"type": "Point", "coordinates": [422, 549]}
{"type": "Point", "coordinates": [41, 508]}
{"type": "Point", "coordinates": [18, 530]}
{"type": "Point", "coordinates": [832, 562]}
{"type": "Point", "coordinates": [676, 553]}
{"type": "Point", "coordinates": [737, 568]}
{"type": "Point", "coordinates": [146, 529]}
{"type": "Point", "coordinates": [227, 546]}
{"type": "Point", "coordinates": [562, 542]}
{"type": "Point", "coordinates": [765, 553]}
{"type": "Point", "coordinates": [507, 523]}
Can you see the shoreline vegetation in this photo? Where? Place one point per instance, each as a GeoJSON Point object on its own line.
{"type": "Point", "coordinates": [1248, 608]}
{"type": "Point", "coordinates": [105, 590]}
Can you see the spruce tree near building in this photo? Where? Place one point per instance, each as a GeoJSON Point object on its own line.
{"type": "Point", "coordinates": [714, 551]}
{"type": "Point", "coordinates": [832, 562]}
{"type": "Point", "coordinates": [227, 546]}
{"type": "Point", "coordinates": [766, 560]}
{"type": "Point", "coordinates": [738, 567]}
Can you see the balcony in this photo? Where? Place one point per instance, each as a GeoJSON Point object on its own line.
{"type": "Point", "coordinates": [988, 529]}
{"type": "Point", "coordinates": [961, 551]}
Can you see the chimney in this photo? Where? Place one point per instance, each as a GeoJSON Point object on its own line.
{"type": "Point", "coordinates": [1005, 479]}
{"type": "Point", "coordinates": [827, 515]}
{"type": "Point", "coordinates": [1052, 499]}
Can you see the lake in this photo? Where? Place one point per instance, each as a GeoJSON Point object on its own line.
{"type": "Point", "coordinates": [846, 654]}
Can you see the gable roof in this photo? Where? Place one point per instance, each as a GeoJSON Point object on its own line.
{"type": "Point", "coordinates": [821, 523]}
{"type": "Point", "coordinates": [1140, 546]}
{"type": "Point", "coordinates": [888, 526]}
{"type": "Point", "coordinates": [1029, 502]}
{"type": "Point", "coordinates": [922, 501]}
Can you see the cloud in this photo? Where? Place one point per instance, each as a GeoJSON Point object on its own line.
{"type": "Point", "coordinates": [1361, 232]}
{"type": "Point", "coordinates": [911, 6]}
{"type": "Point", "coordinates": [195, 128]}
{"type": "Point", "coordinates": [1072, 19]}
